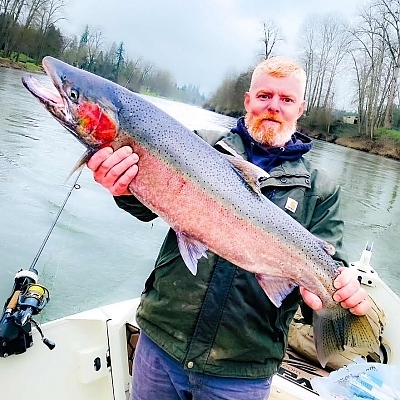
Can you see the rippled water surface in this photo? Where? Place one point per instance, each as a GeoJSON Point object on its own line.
{"type": "Point", "coordinates": [98, 254]}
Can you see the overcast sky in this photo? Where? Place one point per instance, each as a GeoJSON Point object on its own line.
{"type": "Point", "coordinates": [198, 41]}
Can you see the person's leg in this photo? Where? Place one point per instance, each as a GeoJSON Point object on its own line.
{"type": "Point", "coordinates": [206, 387]}
{"type": "Point", "coordinates": [156, 375]}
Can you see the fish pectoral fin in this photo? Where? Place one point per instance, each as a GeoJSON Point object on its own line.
{"type": "Point", "coordinates": [252, 174]}
{"type": "Point", "coordinates": [276, 288]}
{"type": "Point", "coordinates": [81, 162]}
{"type": "Point", "coordinates": [336, 328]}
{"type": "Point", "coordinates": [191, 251]}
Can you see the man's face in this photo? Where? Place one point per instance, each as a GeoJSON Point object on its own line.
{"type": "Point", "coordinates": [273, 106]}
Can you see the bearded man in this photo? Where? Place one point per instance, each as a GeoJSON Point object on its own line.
{"type": "Point", "coordinates": [216, 335]}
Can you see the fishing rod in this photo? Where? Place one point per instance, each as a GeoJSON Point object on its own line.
{"type": "Point", "coordinates": [27, 298]}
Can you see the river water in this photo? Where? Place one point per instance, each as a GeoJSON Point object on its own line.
{"type": "Point", "coordinates": [97, 253]}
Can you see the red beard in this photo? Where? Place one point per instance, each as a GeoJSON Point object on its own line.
{"type": "Point", "coordinates": [275, 134]}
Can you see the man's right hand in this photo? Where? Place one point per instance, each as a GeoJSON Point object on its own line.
{"type": "Point", "coordinates": [114, 169]}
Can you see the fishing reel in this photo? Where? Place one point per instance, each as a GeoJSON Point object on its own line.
{"type": "Point", "coordinates": [27, 299]}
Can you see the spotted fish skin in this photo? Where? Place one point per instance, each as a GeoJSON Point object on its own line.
{"type": "Point", "coordinates": [212, 201]}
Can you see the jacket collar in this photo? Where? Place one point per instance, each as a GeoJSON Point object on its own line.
{"type": "Point", "coordinates": [289, 173]}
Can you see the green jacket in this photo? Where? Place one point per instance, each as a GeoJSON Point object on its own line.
{"type": "Point", "coordinates": [220, 322]}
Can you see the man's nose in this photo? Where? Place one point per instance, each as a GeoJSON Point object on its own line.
{"type": "Point", "coordinates": [273, 104]}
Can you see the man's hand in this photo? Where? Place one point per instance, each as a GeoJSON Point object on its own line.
{"type": "Point", "coordinates": [348, 292]}
{"type": "Point", "coordinates": [114, 169]}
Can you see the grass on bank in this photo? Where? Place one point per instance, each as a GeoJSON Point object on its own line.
{"type": "Point", "coordinates": [24, 62]}
{"type": "Point", "coordinates": [389, 134]}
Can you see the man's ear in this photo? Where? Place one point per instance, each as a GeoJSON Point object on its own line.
{"type": "Point", "coordinates": [246, 101]}
{"type": "Point", "coordinates": [301, 108]}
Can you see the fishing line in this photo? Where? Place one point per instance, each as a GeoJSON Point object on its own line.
{"type": "Point", "coordinates": [45, 240]}
{"type": "Point", "coordinates": [58, 258]}
{"type": "Point", "coordinates": [27, 300]}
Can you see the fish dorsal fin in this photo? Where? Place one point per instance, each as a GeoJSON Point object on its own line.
{"type": "Point", "coordinates": [252, 174]}
{"type": "Point", "coordinates": [276, 288]}
{"type": "Point", "coordinates": [191, 251]}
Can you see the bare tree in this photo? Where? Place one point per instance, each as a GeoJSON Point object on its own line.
{"type": "Point", "coordinates": [51, 14]}
{"type": "Point", "coordinates": [12, 11]}
{"type": "Point", "coordinates": [132, 66]}
{"type": "Point", "coordinates": [324, 44]}
{"type": "Point", "coordinates": [271, 36]}
{"type": "Point", "coordinates": [308, 53]}
{"type": "Point", "coordinates": [362, 70]}
{"type": "Point", "coordinates": [370, 47]}
{"type": "Point", "coordinates": [146, 69]}
{"type": "Point", "coordinates": [387, 16]}
{"type": "Point", "coordinates": [32, 10]}
{"type": "Point", "coordinates": [93, 45]}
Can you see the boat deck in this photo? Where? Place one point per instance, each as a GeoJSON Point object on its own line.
{"type": "Point", "coordinates": [279, 394]}
{"type": "Point", "coordinates": [293, 380]}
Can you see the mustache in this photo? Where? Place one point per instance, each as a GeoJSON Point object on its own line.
{"type": "Point", "coordinates": [256, 121]}
{"type": "Point", "coordinates": [270, 117]}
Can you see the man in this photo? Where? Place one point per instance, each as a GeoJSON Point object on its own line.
{"type": "Point", "coordinates": [216, 335]}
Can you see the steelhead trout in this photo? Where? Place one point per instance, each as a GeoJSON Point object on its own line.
{"type": "Point", "coordinates": [213, 202]}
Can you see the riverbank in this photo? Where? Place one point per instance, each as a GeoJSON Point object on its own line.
{"type": "Point", "coordinates": [21, 65]}
{"type": "Point", "coordinates": [381, 146]}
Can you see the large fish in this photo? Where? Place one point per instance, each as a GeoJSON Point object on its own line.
{"type": "Point", "coordinates": [212, 201]}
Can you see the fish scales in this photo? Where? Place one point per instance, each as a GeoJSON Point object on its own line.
{"type": "Point", "coordinates": [208, 195]}
{"type": "Point", "coordinates": [180, 193]}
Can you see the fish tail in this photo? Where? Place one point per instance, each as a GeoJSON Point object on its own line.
{"type": "Point", "coordinates": [336, 328]}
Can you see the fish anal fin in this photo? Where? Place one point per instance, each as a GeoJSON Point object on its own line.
{"type": "Point", "coordinates": [336, 328]}
{"type": "Point", "coordinates": [191, 251]}
{"type": "Point", "coordinates": [252, 174]}
{"type": "Point", "coordinates": [276, 288]}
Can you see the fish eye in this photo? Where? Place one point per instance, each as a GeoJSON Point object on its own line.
{"type": "Point", "coordinates": [74, 95]}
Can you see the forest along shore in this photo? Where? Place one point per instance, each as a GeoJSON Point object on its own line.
{"type": "Point", "coordinates": [380, 146]}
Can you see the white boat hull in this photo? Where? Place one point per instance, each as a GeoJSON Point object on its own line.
{"type": "Point", "coordinates": [90, 359]}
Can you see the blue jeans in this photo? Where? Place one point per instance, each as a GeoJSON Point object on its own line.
{"type": "Point", "coordinates": [157, 376]}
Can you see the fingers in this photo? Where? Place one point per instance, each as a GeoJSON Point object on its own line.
{"type": "Point", "coordinates": [344, 277]}
{"type": "Point", "coordinates": [312, 300]}
{"type": "Point", "coordinates": [121, 184]}
{"type": "Point", "coordinates": [346, 284]}
{"type": "Point", "coordinates": [114, 169]}
{"type": "Point", "coordinates": [358, 304]}
{"type": "Point", "coordinates": [362, 308]}
{"type": "Point", "coordinates": [98, 157]}
{"type": "Point", "coordinates": [350, 294]}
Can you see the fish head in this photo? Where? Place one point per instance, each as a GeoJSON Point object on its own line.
{"type": "Point", "coordinates": [83, 103]}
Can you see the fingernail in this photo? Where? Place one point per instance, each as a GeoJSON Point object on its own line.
{"type": "Point", "coordinates": [337, 298]}
{"type": "Point", "coordinates": [128, 150]}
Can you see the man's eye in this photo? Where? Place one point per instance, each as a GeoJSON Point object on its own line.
{"type": "Point", "coordinates": [287, 100]}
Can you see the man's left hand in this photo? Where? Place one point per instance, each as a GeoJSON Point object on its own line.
{"type": "Point", "coordinates": [348, 293]}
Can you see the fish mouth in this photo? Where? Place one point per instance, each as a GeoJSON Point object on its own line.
{"type": "Point", "coordinates": [54, 101]}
